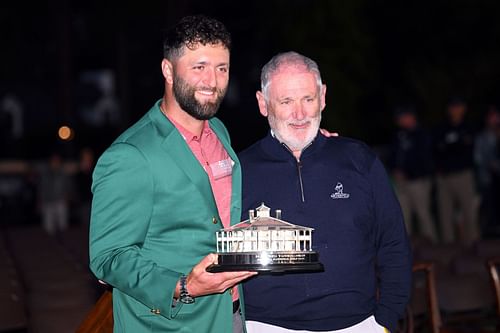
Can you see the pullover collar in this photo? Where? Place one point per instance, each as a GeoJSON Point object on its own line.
{"type": "Point", "coordinates": [278, 150]}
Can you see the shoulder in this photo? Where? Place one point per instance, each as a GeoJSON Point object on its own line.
{"type": "Point", "coordinates": [120, 155]}
{"type": "Point", "coordinates": [354, 152]}
{"type": "Point", "coordinates": [141, 137]}
{"type": "Point", "coordinates": [143, 129]}
{"type": "Point", "coordinates": [343, 142]}
{"type": "Point", "coordinates": [129, 147]}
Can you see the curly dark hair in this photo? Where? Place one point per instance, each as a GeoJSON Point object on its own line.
{"type": "Point", "coordinates": [192, 30]}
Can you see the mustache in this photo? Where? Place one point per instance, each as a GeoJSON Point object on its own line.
{"type": "Point", "coordinates": [300, 123]}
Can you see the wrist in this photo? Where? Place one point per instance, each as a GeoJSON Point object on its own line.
{"type": "Point", "coordinates": [177, 290]}
{"type": "Point", "coordinates": [184, 295]}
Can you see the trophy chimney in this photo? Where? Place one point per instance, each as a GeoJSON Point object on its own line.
{"type": "Point", "coordinates": [278, 214]}
{"type": "Point", "coordinates": [251, 214]}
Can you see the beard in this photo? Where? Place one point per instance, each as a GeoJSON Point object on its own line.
{"type": "Point", "coordinates": [296, 140]}
{"type": "Point", "coordinates": [185, 97]}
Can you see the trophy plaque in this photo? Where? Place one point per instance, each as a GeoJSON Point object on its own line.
{"type": "Point", "coordinates": [265, 244]}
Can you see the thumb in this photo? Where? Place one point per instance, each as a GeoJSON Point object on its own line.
{"type": "Point", "coordinates": [208, 260]}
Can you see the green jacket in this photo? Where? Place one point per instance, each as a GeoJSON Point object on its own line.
{"type": "Point", "coordinates": [153, 218]}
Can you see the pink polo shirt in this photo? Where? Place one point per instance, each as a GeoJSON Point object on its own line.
{"type": "Point", "coordinates": [212, 156]}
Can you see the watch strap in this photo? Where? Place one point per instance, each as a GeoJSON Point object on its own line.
{"type": "Point", "coordinates": [184, 296]}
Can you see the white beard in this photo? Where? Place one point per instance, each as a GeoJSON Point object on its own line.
{"type": "Point", "coordinates": [296, 140]}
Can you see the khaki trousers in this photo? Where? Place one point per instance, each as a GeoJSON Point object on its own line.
{"type": "Point", "coordinates": [415, 198]}
{"type": "Point", "coordinates": [458, 207]}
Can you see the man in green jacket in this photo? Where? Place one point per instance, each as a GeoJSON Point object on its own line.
{"type": "Point", "coordinates": [162, 190]}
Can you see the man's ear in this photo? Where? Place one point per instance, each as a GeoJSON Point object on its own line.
{"type": "Point", "coordinates": [168, 71]}
{"type": "Point", "coordinates": [323, 97]}
{"type": "Point", "coordinates": [262, 103]}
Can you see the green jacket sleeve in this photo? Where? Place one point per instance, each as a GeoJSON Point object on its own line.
{"type": "Point", "coordinates": [123, 193]}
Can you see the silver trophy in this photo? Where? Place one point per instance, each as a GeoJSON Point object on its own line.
{"type": "Point", "coordinates": [265, 244]}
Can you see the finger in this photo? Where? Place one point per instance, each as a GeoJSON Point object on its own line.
{"type": "Point", "coordinates": [240, 277]}
{"type": "Point", "coordinates": [236, 275]}
{"type": "Point", "coordinates": [246, 276]}
{"type": "Point", "coordinates": [231, 283]}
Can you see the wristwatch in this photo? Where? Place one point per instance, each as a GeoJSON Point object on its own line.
{"type": "Point", "coordinates": [184, 296]}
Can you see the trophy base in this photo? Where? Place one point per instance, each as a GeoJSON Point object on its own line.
{"type": "Point", "coordinates": [267, 261]}
{"type": "Point", "coordinates": [278, 268]}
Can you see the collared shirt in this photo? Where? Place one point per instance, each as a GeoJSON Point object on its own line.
{"type": "Point", "coordinates": [212, 156]}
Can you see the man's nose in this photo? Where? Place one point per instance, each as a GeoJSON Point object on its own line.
{"type": "Point", "coordinates": [210, 78]}
{"type": "Point", "coordinates": [299, 112]}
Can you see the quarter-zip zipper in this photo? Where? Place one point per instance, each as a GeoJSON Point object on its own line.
{"type": "Point", "coordinates": [299, 170]}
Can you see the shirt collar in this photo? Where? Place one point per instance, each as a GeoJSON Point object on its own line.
{"type": "Point", "coordinates": [188, 135]}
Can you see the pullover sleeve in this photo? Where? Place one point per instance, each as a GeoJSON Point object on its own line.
{"type": "Point", "coordinates": [393, 257]}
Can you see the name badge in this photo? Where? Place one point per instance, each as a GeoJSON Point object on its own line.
{"type": "Point", "coordinates": [222, 168]}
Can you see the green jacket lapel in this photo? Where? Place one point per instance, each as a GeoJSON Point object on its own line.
{"type": "Point", "coordinates": [223, 136]}
{"type": "Point", "coordinates": [180, 153]}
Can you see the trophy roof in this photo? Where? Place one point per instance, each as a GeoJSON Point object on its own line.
{"type": "Point", "coordinates": [265, 223]}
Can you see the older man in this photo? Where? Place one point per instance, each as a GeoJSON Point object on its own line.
{"type": "Point", "coordinates": [339, 187]}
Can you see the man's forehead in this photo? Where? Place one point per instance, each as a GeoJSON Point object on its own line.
{"type": "Point", "coordinates": [290, 71]}
{"type": "Point", "coordinates": [293, 79]}
{"type": "Point", "coordinates": [291, 68]}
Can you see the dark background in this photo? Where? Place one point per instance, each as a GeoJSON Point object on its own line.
{"type": "Point", "coordinates": [373, 55]}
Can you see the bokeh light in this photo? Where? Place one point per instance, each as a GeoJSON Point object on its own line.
{"type": "Point", "coordinates": [65, 133]}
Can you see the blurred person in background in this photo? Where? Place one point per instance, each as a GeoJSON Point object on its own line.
{"type": "Point", "coordinates": [411, 165]}
{"type": "Point", "coordinates": [54, 193]}
{"type": "Point", "coordinates": [457, 198]}
{"type": "Point", "coordinates": [487, 164]}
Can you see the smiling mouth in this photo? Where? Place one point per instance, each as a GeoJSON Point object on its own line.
{"type": "Point", "coordinates": [207, 92]}
{"type": "Point", "coordinates": [300, 126]}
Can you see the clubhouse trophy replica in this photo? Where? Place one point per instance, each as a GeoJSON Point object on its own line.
{"type": "Point", "coordinates": [265, 244]}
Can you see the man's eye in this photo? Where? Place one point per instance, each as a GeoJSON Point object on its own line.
{"type": "Point", "coordinates": [199, 68]}
{"type": "Point", "coordinates": [223, 69]}
{"type": "Point", "coordinates": [287, 102]}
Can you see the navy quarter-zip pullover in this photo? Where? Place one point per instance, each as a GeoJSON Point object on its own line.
{"type": "Point", "coordinates": [340, 188]}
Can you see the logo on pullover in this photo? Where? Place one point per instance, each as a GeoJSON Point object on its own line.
{"type": "Point", "coordinates": [339, 192]}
